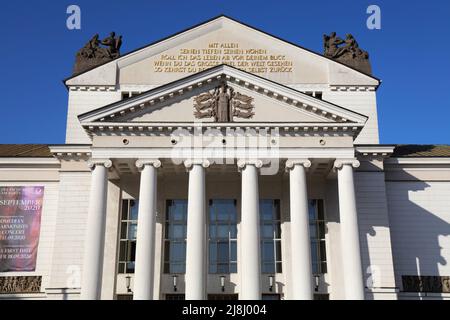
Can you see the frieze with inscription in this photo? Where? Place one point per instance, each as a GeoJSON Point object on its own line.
{"type": "Point", "coordinates": [193, 60]}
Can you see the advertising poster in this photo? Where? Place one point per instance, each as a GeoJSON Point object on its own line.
{"type": "Point", "coordinates": [20, 224]}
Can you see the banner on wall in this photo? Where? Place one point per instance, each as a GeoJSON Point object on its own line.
{"type": "Point", "coordinates": [20, 224]}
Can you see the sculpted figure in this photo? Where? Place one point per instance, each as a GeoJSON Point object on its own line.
{"type": "Point", "coordinates": [331, 44]}
{"type": "Point", "coordinates": [92, 54]}
{"type": "Point", "coordinates": [223, 103]}
{"type": "Point", "coordinates": [347, 52]}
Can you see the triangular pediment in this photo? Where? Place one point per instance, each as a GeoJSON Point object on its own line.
{"type": "Point", "coordinates": [248, 99]}
{"type": "Point", "coordinates": [222, 40]}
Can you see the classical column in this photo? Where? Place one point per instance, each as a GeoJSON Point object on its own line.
{"type": "Point", "coordinates": [196, 271]}
{"type": "Point", "coordinates": [302, 284]}
{"type": "Point", "coordinates": [351, 254]}
{"type": "Point", "coordinates": [145, 239]}
{"type": "Point", "coordinates": [250, 266]}
{"type": "Point", "coordinates": [95, 231]}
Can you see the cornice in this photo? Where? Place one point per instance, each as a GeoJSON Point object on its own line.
{"type": "Point", "coordinates": [232, 75]}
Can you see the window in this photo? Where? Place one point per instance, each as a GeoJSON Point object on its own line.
{"type": "Point", "coordinates": [271, 296]}
{"type": "Point", "coordinates": [222, 236]}
{"type": "Point", "coordinates": [270, 236]}
{"type": "Point", "coordinates": [175, 296]}
{"type": "Point", "coordinates": [223, 297]}
{"type": "Point", "coordinates": [316, 94]}
{"type": "Point", "coordinates": [128, 94]}
{"type": "Point", "coordinates": [317, 234]}
{"type": "Point", "coordinates": [128, 228]}
{"type": "Point", "coordinates": [175, 237]}
{"type": "Point", "coordinates": [124, 297]}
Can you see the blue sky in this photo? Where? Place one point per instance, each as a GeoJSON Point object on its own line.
{"type": "Point", "coordinates": [411, 54]}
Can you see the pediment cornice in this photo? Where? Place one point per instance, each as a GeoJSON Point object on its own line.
{"type": "Point", "coordinates": [116, 112]}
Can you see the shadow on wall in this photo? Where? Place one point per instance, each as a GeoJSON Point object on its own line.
{"type": "Point", "coordinates": [416, 233]}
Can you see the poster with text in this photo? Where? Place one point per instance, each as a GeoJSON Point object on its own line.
{"type": "Point", "coordinates": [20, 224]}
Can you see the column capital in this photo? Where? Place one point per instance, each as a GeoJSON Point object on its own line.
{"type": "Point", "coordinates": [189, 163]}
{"type": "Point", "coordinates": [241, 163]}
{"type": "Point", "coordinates": [291, 163]}
{"type": "Point", "coordinates": [341, 162]}
{"type": "Point", "coordinates": [107, 163]}
{"type": "Point", "coordinates": [141, 163]}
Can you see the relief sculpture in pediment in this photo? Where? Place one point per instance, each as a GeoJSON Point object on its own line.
{"type": "Point", "coordinates": [223, 104]}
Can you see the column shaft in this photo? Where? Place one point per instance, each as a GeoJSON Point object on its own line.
{"type": "Point", "coordinates": [351, 254]}
{"type": "Point", "coordinates": [250, 239]}
{"type": "Point", "coordinates": [95, 235]}
{"type": "Point", "coordinates": [145, 240]}
{"type": "Point", "coordinates": [196, 235]}
{"type": "Point", "coordinates": [300, 241]}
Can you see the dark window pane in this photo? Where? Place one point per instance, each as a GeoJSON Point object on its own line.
{"type": "Point", "coordinates": [212, 268]}
{"type": "Point", "coordinates": [166, 231]}
{"type": "Point", "coordinates": [123, 230]}
{"type": "Point", "coordinates": [323, 255]}
{"type": "Point", "coordinates": [212, 232]}
{"type": "Point", "coordinates": [279, 267]}
{"type": "Point", "coordinates": [320, 211]}
{"type": "Point", "coordinates": [134, 206]}
{"type": "Point", "coordinates": [167, 251]}
{"type": "Point", "coordinates": [233, 251]}
{"type": "Point", "coordinates": [268, 268]}
{"type": "Point", "coordinates": [166, 267]}
{"type": "Point", "coordinates": [277, 209]}
{"type": "Point", "coordinates": [132, 251]}
{"type": "Point", "coordinates": [266, 209]}
{"type": "Point", "coordinates": [132, 230]}
{"type": "Point", "coordinates": [268, 251]}
{"type": "Point", "coordinates": [121, 268]}
{"type": "Point", "coordinates": [177, 268]}
{"type": "Point", "coordinates": [222, 252]}
{"type": "Point", "coordinates": [278, 250]}
{"type": "Point", "coordinates": [313, 230]}
{"type": "Point", "coordinates": [312, 210]}
{"type": "Point", "coordinates": [233, 267]}
{"type": "Point", "coordinates": [233, 231]}
{"type": "Point", "coordinates": [314, 256]}
{"type": "Point", "coordinates": [321, 227]}
{"type": "Point", "coordinates": [176, 251]}
{"type": "Point", "coordinates": [130, 267]}
{"type": "Point", "coordinates": [177, 231]}
{"type": "Point", "coordinates": [222, 268]}
{"type": "Point", "coordinates": [122, 250]}
{"type": "Point", "coordinates": [315, 268]}
{"type": "Point", "coordinates": [212, 252]}
{"type": "Point", "coordinates": [267, 231]}
{"type": "Point", "coordinates": [323, 267]}
{"type": "Point", "coordinates": [124, 210]}
{"type": "Point", "coordinates": [222, 231]}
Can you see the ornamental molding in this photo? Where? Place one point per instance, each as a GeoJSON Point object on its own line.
{"type": "Point", "coordinates": [92, 88]}
{"type": "Point", "coordinates": [189, 163]}
{"type": "Point", "coordinates": [162, 129]}
{"type": "Point", "coordinates": [339, 163]}
{"type": "Point", "coordinates": [242, 163]}
{"type": "Point", "coordinates": [291, 163]}
{"type": "Point", "coordinates": [222, 74]}
{"type": "Point", "coordinates": [352, 88]}
{"type": "Point", "coordinates": [92, 163]}
{"type": "Point", "coordinates": [141, 163]}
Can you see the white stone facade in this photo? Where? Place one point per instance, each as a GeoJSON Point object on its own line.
{"type": "Point", "coordinates": [385, 216]}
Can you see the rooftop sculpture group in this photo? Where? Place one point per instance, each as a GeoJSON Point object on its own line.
{"type": "Point", "coordinates": [92, 54]}
{"type": "Point", "coordinates": [347, 52]}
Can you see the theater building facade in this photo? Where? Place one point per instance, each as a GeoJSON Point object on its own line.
{"type": "Point", "coordinates": [224, 163]}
